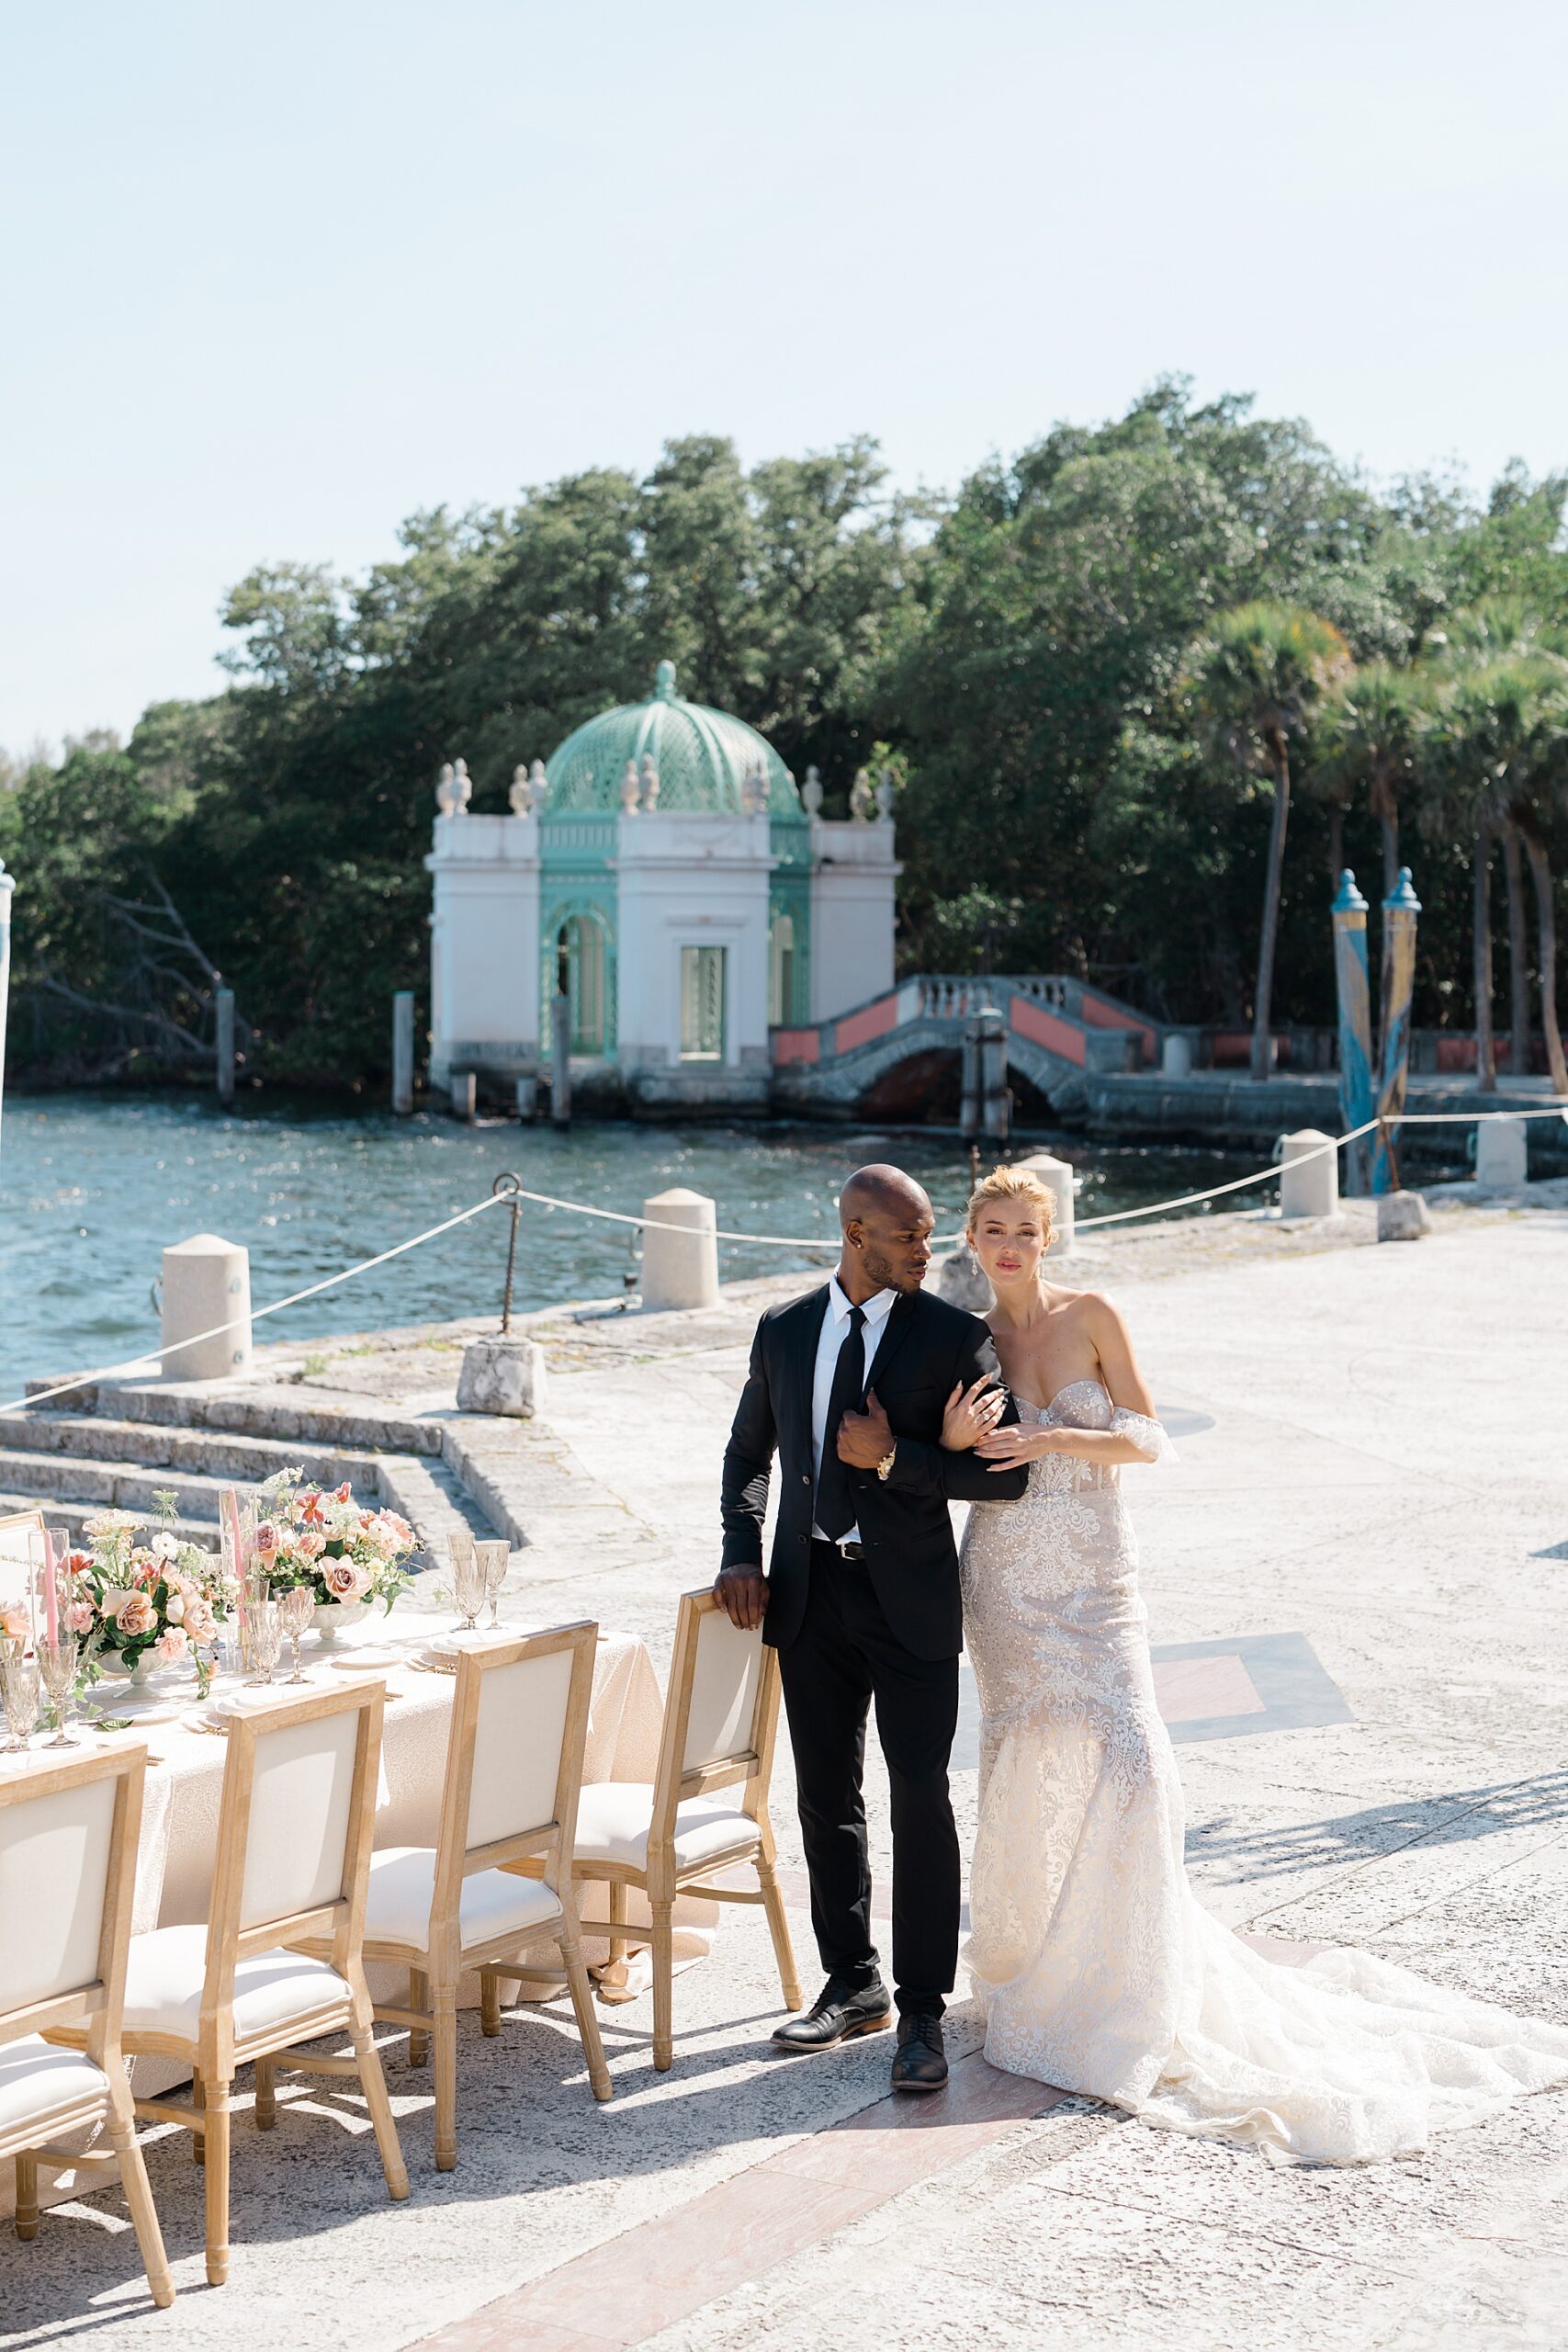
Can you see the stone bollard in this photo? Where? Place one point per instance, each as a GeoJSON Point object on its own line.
{"type": "Point", "coordinates": [463, 1087]}
{"type": "Point", "coordinates": [1402, 1216]}
{"type": "Point", "coordinates": [528, 1097]}
{"type": "Point", "coordinates": [402, 1052]}
{"type": "Point", "coordinates": [1312, 1189]}
{"type": "Point", "coordinates": [1176, 1054]}
{"type": "Point", "coordinates": [963, 1282]}
{"type": "Point", "coordinates": [680, 1268]}
{"type": "Point", "coordinates": [1501, 1155]}
{"type": "Point", "coordinates": [504, 1373]}
{"type": "Point", "coordinates": [206, 1281]}
{"type": "Point", "coordinates": [1058, 1175]}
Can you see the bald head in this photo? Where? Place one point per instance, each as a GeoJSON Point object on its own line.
{"type": "Point", "coordinates": [888, 1223]}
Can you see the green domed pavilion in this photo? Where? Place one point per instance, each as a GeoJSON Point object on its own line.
{"type": "Point", "coordinates": [702, 758]}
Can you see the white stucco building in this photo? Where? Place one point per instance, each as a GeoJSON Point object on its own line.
{"type": "Point", "coordinates": [661, 870]}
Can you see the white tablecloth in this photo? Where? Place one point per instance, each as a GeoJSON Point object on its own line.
{"type": "Point", "coordinates": [185, 1779]}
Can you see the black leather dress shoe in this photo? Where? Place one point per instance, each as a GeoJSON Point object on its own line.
{"type": "Point", "coordinates": [922, 2062]}
{"type": "Point", "coordinates": [838, 2012]}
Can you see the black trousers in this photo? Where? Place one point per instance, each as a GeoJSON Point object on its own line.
{"type": "Point", "coordinates": [844, 1658]}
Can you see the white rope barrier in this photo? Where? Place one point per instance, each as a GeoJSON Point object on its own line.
{"type": "Point", "coordinates": [761, 1240]}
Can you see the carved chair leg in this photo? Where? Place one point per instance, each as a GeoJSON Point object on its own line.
{"type": "Point", "coordinates": [663, 1943]}
{"type": "Point", "coordinates": [778, 1927]}
{"type": "Point", "coordinates": [373, 2082]}
{"type": "Point", "coordinates": [266, 2100]}
{"type": "Point", "coordinates": [139, 2196]}
{"type": "Point", "coordinates": [587, 2021]}
{"type": "Point", "coordinates": [445, 2011]}
{"type": "Point", "coordinates": [419, 1998]}
{"type": "Point", "coordinates": [197, 2139]}
{"type": "Point", "coordinates": [618, 1915]}
{"type": "Point", "coordinates": [26, 2195]}
{"type": "Point", "coordinates": [216, 2101]}
{"type": "Point", "coordinates": [490, 2003]}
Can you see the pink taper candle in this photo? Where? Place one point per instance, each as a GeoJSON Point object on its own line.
{"type": "Point", "coordinates": [51, 1597]}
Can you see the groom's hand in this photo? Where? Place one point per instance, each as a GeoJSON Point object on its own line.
{"type": "Point", "coordinates": [864, 1439]}
{"type": "Point", "coordinates": [742, 1594]}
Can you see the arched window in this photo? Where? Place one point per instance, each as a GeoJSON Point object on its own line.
{"type": "Point", "coordinates": [780, 977]}
{"type": "Point", "coordinates": [580, 961]}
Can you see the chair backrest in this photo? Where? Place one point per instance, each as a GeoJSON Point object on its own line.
{"type": "Point", "coordinates": [721, 1710]}
{"type": "Point", "coordinates": [514, 1751]}
{"type": "Point", "coordinates": [295, 1827]}
{"type": "Point", "coordinates": [68, 1837]}
{"type": "Point", "coordinates": [19, 1530]}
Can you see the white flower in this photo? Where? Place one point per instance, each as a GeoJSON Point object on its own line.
{"type": "Point", "coordinates": [175, 1608]}
{"type": "Point", "coordinates": [166, 1547]}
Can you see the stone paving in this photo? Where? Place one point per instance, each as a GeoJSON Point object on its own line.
{"type": "Point", "coordinates": [1373, 1491]}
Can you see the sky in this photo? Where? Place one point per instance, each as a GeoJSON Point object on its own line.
{"type": "Point", "coordinates": [273, 279]}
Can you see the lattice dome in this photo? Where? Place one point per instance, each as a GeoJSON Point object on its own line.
{"type": "Point", "coordinates": [702, 758]}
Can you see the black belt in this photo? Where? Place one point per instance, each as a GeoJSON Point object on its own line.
{"type": "Point", "coordinates": [848, 1551]}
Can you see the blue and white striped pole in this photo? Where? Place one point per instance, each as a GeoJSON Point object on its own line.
{"type": "Point", "coordinates": [1399, 909]}
{"type": "Point", "coordinates": [1355, 1029]}
{"type": "Point", "coordinates": [7, 884]}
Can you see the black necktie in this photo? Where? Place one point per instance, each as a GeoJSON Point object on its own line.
{"type": "Point", "coordinates": [835, 1502]}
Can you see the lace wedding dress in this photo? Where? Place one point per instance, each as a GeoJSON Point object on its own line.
{"type": "Point", "coordinates": [1098, 1968]}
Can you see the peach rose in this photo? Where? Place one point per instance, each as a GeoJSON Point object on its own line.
{"type": "Point", "coordinates": [199, 1622]}
{"type": "Point", "coordinates": [14, 1624]}
{"type": "Point", "coordinates": [344, 1580]}
{"type": "Point", "coordinates": [311, 1543]}
{"type": "Point", "coordinates": [135, 1617]}
{"type": "Point", "coordinates": [170, 1647]}
{"type": "Point", "coordinates": [80, 1617]}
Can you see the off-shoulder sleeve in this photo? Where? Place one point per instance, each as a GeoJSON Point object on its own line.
{"type": "Point", "coordinates": [1148, 1436]}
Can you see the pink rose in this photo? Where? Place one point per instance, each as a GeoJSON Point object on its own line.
{"type": "Point", "coordinates": [135, 1617]}
{"type": "Point", "coordinates": [266, 1538]}
{"type": "Point", "coordinates": [311, 1543]}
{"type": "Point", "coordinates": [80, 1617]}
{"type": "Point", "coordinates": [200, 1622]}
{"type": "Point", "coordinates": [170, 1647]}
{"type": "Point", "coordinates": [13, 1620]}
{"type": "Point", "coordinates": [344, 1580]}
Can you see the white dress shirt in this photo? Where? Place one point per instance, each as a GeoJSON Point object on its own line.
{"type": "Point", "coordinates": [834, 1329]}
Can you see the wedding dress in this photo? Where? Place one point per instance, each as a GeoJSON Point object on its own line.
{"type": "Point", "coordinates": [1097, 1966]}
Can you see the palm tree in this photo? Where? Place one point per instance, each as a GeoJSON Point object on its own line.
{"type": "Point", "coordinates": [1251, 681]}
{"type": "Point", "coordinates": [1543, 788]}
{"type": "Point", "coordinates": [1364, 737]}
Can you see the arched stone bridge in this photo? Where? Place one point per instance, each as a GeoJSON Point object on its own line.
{"type": "Point", "coordinates": [893, 1056]}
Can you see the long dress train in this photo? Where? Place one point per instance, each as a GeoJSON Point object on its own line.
{"type": "Point", "coordinates": [1098, 1969]}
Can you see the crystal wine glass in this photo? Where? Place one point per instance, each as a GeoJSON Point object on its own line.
{"type": "Point", "coordinates": [20, 1696]}
{"type": "Point", "coordinates": [296, 1608]}
{"type": "Point", "coordinates": [58, 1663]}
{"type": "Point", "coordinates": [468, 1578]}
{"type": "Point", "coordinates": [494, 1558]}
{"type": "Point", "coordinates": [267, 1638]}
{"type": "Point", "coordinates": [258, 1592]}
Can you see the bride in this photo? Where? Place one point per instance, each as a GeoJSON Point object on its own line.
{"type": "Point", "coordinates": [1098, 1968]}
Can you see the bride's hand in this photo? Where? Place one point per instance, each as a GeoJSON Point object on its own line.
{"type": "Point", "coordinates": [1004, 1449]}
{"type": "Point", "coordinates": [972, 1413]}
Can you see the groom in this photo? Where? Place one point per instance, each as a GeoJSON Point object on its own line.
{"type": "Point", "coordinates": [849, 1386]}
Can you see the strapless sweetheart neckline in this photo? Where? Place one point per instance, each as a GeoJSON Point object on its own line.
{"type": "Point", "coordinates": [1067, 1388]}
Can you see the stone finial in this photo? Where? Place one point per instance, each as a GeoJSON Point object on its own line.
{"type": "Point", "coordinates": [539, 786]}
{"type": "Point", "coordinates": [754, 789]}
{"type": "Point", "coordinates": [630, 788]}
{"type": "Point", "coordinates": [664, 682]}
{"type": "Point", "coordinates": [446, 790]}
{"type": "Point", "coordinates": [884, 790]}
{"type": "Point", "coordinates": [811, 793]}
{"type": "Point", "coordinates": [650, 784]}
{"type": "Point", "coordinates": [520, 797]}
{"type": "Point", "coordinates": [861, 797]}
{"type": "Point", "coordinates": [462, 787]}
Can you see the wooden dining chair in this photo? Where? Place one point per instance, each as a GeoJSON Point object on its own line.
{"type": "Point", "coordinates": [720, 1721]}
{"type": "Point", "coordinates": [294, 1830]}
{"type": "Point", "coordinates": [508, 1805]}
{"type": "Point", "coordinates": [68, 1840]}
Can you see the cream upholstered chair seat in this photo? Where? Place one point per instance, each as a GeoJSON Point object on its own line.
{"type": "Point", "coordinates": [613, 1819]}
{"type": "Point", "coordinates": [493, 1902]}
{"type": "Point", "coordinates": [166, 1971]}
{"type": "Point", "coordinates": [37, 2081]}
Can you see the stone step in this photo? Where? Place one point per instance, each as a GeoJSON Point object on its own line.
{"type": "Point", "coordinates": [73, 1515]}
{"type": "Point", "coordinates": [298, 1416]}
{"type": "Point", "coordinates": [218, 1453]}
{"type": "Point", "coordinates": [101, 1485]}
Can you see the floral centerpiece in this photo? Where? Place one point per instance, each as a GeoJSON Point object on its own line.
{"type": "Point", "coordinates": [322, 1538]}
{"type": "Point", "coordinates": [137, 1606]}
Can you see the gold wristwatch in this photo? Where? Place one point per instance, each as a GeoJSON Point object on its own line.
{"type": "Point", "coordinates": [883, 1468]}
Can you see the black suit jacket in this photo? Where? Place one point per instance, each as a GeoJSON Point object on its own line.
{"type": "Point", "coordinates": [926, 1345]}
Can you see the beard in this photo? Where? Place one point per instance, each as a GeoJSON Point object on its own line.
{"type": "Point", "coordinates": [887, 1276]}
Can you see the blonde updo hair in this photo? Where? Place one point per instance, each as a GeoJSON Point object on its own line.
{"type": "Point", "coordinates": [1013, 1184]}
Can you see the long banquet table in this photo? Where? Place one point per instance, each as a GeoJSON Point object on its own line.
{"type": "Point", "coordinates": [184, 1779]}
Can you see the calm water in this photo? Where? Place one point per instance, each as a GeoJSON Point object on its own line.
{"type": "Point", "coordinates": [93, 1188]}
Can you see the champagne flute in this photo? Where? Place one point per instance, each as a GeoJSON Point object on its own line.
{"type": "Point", "coordinates": [266, 1639]}
{"type": "Point", "coordinates": [57, 1664]}
{"type": "Point", "coordinates": [257, 1593]}
{"type": "Point", "coordinates": [494, 1559]}
{"type": "Point", "coordinates": [19, 1697]}
{"type": "Point", "coordinates": [296, 1607]}
{"type": "Point", "coordinates": [468, 1578]}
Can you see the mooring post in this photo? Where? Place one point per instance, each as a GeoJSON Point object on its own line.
{"type": "Point", "coordinates": [223, 1008]}
{"type": "Point", "coordinates": [969, 1087]}
{"type": "Point", "coordinates": [402, 1052]}
{"type": "Point", "coordinates": [1350, 982]}
{"type": "Point", "coordinates": [995, 1099]}
{"type": "Point", "coordinates": [7, 884]}
{"type": "Point", "coordinates": [1399, 909]}
{"type": "Point", "coordinates": [561, 1060]}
